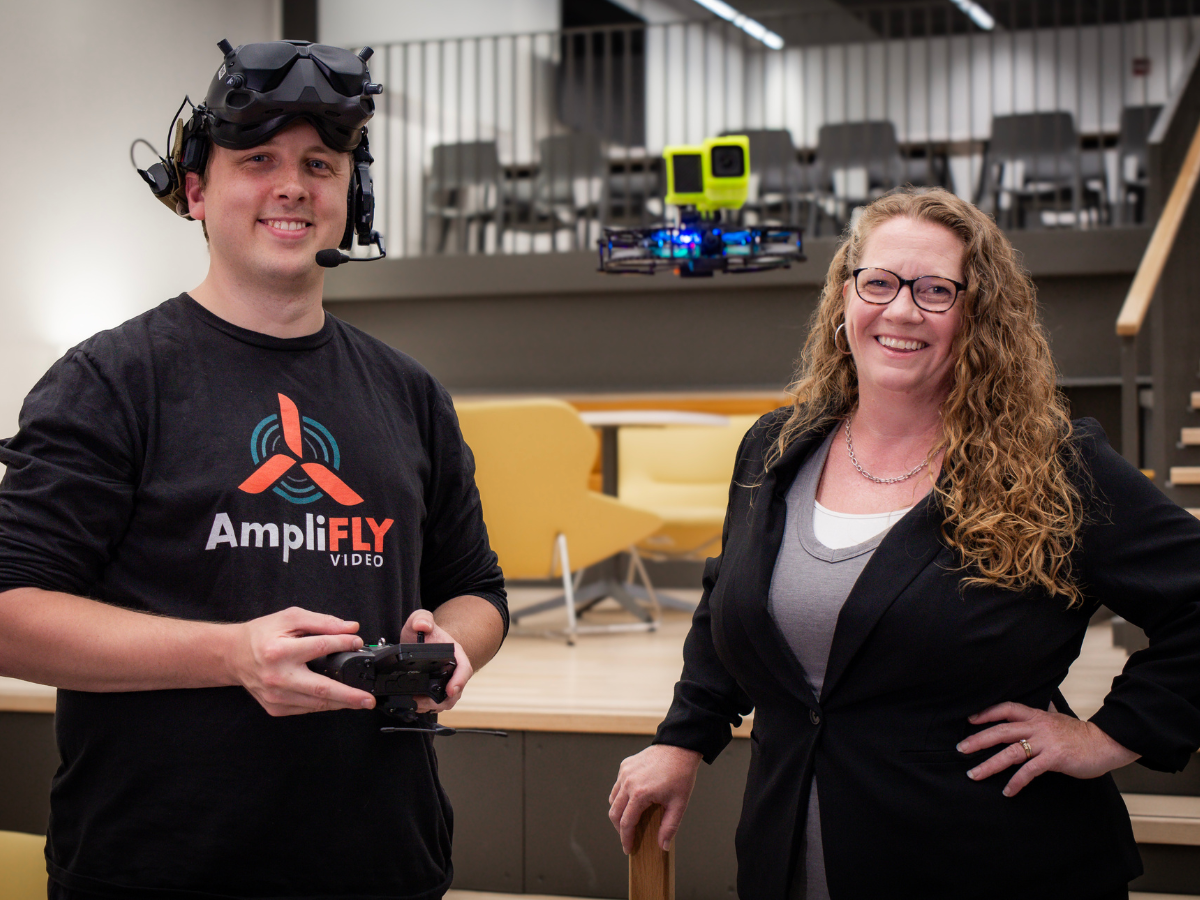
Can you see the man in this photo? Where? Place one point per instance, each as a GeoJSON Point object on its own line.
{"type": "Point", "coordinates": [207, 497]}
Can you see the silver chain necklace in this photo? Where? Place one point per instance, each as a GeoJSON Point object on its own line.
{"type": "Point", "coordinates": [865, 474]}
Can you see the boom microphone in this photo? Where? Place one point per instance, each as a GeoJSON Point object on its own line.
{"type": "Point", "coordinates": [328, 259]}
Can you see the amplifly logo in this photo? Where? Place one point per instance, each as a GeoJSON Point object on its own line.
{"type": "Point", "coordinates": [278, 447]}
{"type": "Point", "coordinates": [276, 470]}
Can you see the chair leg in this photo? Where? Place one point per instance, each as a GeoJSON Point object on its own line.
{"type": "Point", "coordinates": [560, 546]}
{"type": "Point", "coordinates": [635, 563]}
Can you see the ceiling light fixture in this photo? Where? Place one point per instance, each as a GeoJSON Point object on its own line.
{"type": "Point", "coordinates": [976, 13]}
{"type": "Point", "coordinates": [755, 29]}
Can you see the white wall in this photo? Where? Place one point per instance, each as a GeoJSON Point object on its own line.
{"type": "Point", "coordinates": [352, 23]}
{"type": "Point", "coordinates": [83, 243]}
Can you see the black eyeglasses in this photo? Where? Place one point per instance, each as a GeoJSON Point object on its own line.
{"type": "Point", "coordinates": [931, 293]}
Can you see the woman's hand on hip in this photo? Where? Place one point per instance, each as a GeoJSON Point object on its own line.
{"type": "Point", "coordinates": [660, 774]}
{"type": "Point", "coordinates": [1040, 741]}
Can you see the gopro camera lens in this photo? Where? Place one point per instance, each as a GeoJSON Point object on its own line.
{"type": "Point", "coordinates": [728, 162]}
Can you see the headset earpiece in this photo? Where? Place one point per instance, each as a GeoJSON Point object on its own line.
{"type": "Point", "coordinates": [360, 203]}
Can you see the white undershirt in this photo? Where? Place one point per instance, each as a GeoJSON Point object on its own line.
{"type": "Point", "coordinates": [838, 529]}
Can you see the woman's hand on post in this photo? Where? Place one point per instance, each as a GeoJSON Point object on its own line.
{"type": "Point", "coordinates": [1039, 741]}
{"type": "Point", "coordinates": [660, 774]}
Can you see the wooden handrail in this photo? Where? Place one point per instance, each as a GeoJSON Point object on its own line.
{"type": "Point", "coordinates": [1145, 282]}
{"type": "Point", "coordinates": [651, 869]}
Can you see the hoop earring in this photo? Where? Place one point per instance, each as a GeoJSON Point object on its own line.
{"type": "Point", "coordinates": [837, 331]}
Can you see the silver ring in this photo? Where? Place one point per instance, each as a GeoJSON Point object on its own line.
{"type": "Point", "coordinates": [1028, 750]}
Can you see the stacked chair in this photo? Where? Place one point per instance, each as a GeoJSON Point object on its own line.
{"type": "Point", "coordinates": [463, 192]}
{"type": "Point", "coordinates": [1033, 166]}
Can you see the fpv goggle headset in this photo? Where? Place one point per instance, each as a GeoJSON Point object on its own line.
{"type": "Point", "coordinates": [259, 89]}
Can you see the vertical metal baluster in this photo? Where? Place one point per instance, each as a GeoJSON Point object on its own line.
{"type": "Point", "coordinates": [741, 36]}
{"type": "Point", "coordinates": [533, 122]}
{"type": "Point", "coordinates": [464, 245]}
{"type": "Point", "coordinates": [929, 12]}
{"type": "Point", "coordinates": [1076, 163]}
{"type": "Point", "coordinates": [866, 110]}
{"type": "Point", "coordinates": [1101, 111]}
{"type": "Point", "coordinates": [704, 95]}
{"type": "Point", "coordinates": [969, 133]}
{"type": "Point", "coordinates": [725, 126]}
{"type": "Point", "coordinates": [1035, 44]}
{"type": "Point", "coordinates": [385, 194]}
{"type": "Point", "coordinates": [441, 70]}
{"type": "Point", "coordinates": [627, 124]}
{"type": "Point", "coordinates": [938, 175]}
{"type": "Point", "coordinates": [806, 185]}
{"type": "Point", "coordinates": [552, 164]}
{"type": "Point", "coordinates": [1146, 50]}
{"type": "Point", "coordinates": [425, 143]}
{"type": "Point", "coordinates": [908, 41]}
{"type": "Point", "coordinates": [405, 112]}
{"type": "Point", "coordinates": [761, 50]}
{"type": "Point", "coordinates": [1100, 138]}
{"type": "Point", "coordinates": [505, 182]}
{"type": "Point", "coordinates": [687, 81]}
{"type": "Point", "coordinates": [1167, 16]}
{"type": "Point", "coordinates": [494, 215]}
{"type": "Point", "coordinates": [666, 120]}
{"type": "Point", "coordinates": [513, 123]}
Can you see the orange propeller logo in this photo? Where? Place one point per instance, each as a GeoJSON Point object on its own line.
{"type": "Point", "coordinates": [286, 473]}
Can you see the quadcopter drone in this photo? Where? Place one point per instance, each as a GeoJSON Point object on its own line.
{"type": "Point", "coordinates": [702, 181]}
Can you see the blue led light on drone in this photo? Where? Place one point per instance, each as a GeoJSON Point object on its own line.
{"type": "Point", "coordinates": [755, 29]}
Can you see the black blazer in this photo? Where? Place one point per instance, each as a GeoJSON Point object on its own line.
{"type": "Point", "coordinates": [913, 655]}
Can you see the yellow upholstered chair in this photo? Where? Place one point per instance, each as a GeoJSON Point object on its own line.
{"type": "Point", "coordinates": [532, 463]}
{"type": "Point", "coordinates": [681, 473]}
{"type": "Point", "coordinates": [22, 866]}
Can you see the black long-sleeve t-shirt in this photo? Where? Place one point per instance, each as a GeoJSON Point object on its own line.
{"type": "Point", "coordinates": [185, 467]}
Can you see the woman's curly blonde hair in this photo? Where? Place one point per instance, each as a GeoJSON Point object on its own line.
{"type": "Point", "coordinates": [1011, 511]}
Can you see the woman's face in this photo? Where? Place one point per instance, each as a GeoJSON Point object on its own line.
{"type": "Point", "coordinates": [901, 350]}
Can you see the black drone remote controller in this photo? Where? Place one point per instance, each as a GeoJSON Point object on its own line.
{"type": "Point", "coordinates": [398, 673]}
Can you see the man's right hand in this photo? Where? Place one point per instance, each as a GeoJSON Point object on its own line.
{"type": "Point", "coordinates": [270, 659]}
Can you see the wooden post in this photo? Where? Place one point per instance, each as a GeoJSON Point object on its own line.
{"type": "Point", "coordinates": [651, 869]}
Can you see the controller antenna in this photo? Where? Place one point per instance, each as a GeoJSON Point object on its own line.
{"type": "Point", "coordinates": [224, 46]}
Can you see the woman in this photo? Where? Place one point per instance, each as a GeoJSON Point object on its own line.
{"type": "Point", "coordinates": [912, 553]}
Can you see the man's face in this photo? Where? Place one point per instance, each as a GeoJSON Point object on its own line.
{"type": "Point", "coordinates": [269, 209]}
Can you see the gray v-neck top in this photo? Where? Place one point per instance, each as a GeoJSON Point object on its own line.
{"type": "Point", "coordinates": [808, 588]}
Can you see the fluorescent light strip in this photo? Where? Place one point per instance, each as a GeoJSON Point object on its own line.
{"type": "Point", "coordinates": [756, 30]}
{"type": "Point", "coordinates": [977, 13]}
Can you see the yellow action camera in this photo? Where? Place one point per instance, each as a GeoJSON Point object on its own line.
{"type": "Point", "coordinates": [715, 175]}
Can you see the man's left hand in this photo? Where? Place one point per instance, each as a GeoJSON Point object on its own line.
{"type": "Point", "coordinates": [423, 621]}
{"type": "Point", "coordinates": [1040, 740]}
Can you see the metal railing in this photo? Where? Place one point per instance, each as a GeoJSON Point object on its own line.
{"type": "Point", "coordinates": [529, 143]}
